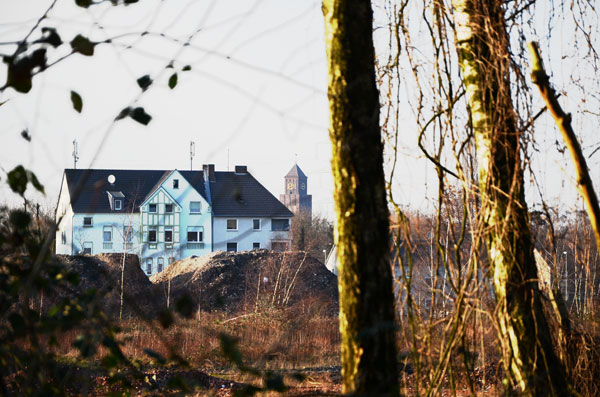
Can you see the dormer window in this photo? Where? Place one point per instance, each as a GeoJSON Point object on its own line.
{"type": "Point", "coordinates": [175, 183]}
{"type": "Point", "coordinates": [118, 205]}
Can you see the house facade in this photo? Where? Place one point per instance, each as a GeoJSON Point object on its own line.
{"type": "Point", "coordinates": [163, 216]}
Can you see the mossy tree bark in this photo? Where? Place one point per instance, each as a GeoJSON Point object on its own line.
{"type": "Point", "coordinates": [483, 49]}
{"type": "Point", "coordinates": [362, 232]}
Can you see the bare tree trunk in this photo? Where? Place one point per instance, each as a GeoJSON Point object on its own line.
{"type": "Point", "coordinates": [483, 48]}
{"type": "Point", "coordinates": [368, 349]}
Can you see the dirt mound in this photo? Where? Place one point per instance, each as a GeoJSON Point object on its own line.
{"type": "Point", "coordinates": [103, 273]}
{"type": "Point", "coordinates": [249, 280]}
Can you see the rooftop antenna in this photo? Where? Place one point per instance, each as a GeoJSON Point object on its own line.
{"type": "Point", "coordinates": [75, 154]}
{"type": "Point", "coordinates": [192, 153]}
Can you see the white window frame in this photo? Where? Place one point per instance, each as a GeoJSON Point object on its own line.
{"type": "Point", "coordinates": [155, 208]}
{"type": "Point", "coordinates": [227, 225]}
{"type": "Point", "coordinates": [118, 204]}
{"type": "Point", "coordinates": [168, 229]}
{"type": "Point", "coordinates": [91, 224]}
{"type": "Point", "coordinates": [160, 264]}
{"type": "Point", "coordinates": [91, 247]}
{"type": "Point", "coordinates": [149, 265]}
{"type": "Point", "coordinates": [172, 209]}
{"type": "Point", "coordinates": [175, 183]}
{"type": "Point", "coordinates": [155, 230]}
{"type": "Point", "coordinates": [232, 242]}
{"type": "Point", "coordinates": [259, 224]}
{"type": "Point", "coordinates": [255, 246]}
{"type": "Point", "coordinates": [199, 236]}
{"type": "Point", "coordinates": [107, 229]}
{"type": "Point", "coordinates": [199, 207]}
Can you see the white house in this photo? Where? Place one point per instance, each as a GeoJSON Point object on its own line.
{"type": "Point", "coordinates": [164, 216]}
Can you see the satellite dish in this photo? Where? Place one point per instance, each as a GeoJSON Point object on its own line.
{"type": "Point", "coordinates": [111, 179]}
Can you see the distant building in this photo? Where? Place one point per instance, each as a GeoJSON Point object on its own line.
{"type": "Point", "coordinates": [164, 216]}
{"type": "Point", "coordinates": [295, 196]}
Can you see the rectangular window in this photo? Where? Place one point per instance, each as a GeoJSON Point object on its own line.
{"type": "Point", "coordinates": [152, 235]}
{"type": "Point", "coordinates": [231, 247]}
{"type": "Point", "coordinates": [280, 224]}
{"type": "Point", "coordinates": [63, 237]}
{"type": "Point", "coordinates": [87, 221]}
{"type": "Point", "coordinates": [118, 205]}
{"type": "Point", "coordinates": [107, 234]}
{"type": "Point", "coordinates": [127, 233]}
{"type": "Point", "coordinates": [160, 264]}
{"type": "Point", "coordinates": [255, 246]}
{"type": "Point", "coordinates": [149, 266]}
{"type": "Point", "coordinates": [151, 207]}
{"type": "Point", "coordinates": [175, 183]}
{"type": "Point", "coordinates": [87, 247]}
{"type": "Point", "coordinates": [194, 236]}
{"type": "Point", "coordinates": [256, 224]}
{"type": "Point", "coordinates": [168, 235]}
{"type": "Point", "coordinates": [168, 208]}
{"type": "Point", "coordinates": [195, 207]}
{"type": "Point", "coordinates": [231, 224]}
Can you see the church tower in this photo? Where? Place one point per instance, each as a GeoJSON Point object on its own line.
{"type": "Point", "coordinates": [295, 196]}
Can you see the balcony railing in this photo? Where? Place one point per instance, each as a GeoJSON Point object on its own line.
{"type": "Point", "coordinates": [195, 246]}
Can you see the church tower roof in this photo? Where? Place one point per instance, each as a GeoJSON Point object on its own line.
{"type": "Point", "coordinates": [296, 171]}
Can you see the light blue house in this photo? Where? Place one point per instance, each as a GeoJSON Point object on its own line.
{"type": "Point", "coordinates": [163, 216]}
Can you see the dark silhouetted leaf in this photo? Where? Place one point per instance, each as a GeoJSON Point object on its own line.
{"type": "Point", "coordinates": [83, 3]}
{"type": "Point", "coordinates": [83, 45]}
{"type": "Point", "coordinates": [173, 81]}
{"type": "Point", "coordinates": [140, 115]}
{"type": "Point", "coordinates": [21, 69]}
{"type": "Point", "coordinates": [50, 36]}
{"type": "Point", "coordinates": [34, 181]}
{"type": "Point", "coordinates": [187, 68]}
{"type": "Point", "coordinates": [144, 82]}
{"type": "Point", "coordinates": [17, 180]}
{"type": "Point", "coordinates": [230, 349]}
{"type": "Point", "coordinates": [77, 101]}
{"type": "Point", "coordinates": [124, 113]}
{"type": "Point", "coordinates": [25, 135]}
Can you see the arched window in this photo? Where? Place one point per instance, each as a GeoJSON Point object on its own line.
{"type": "Point", "coordinates": [160, 264]}
{"type": "Point", "coordinates": [149, 266]}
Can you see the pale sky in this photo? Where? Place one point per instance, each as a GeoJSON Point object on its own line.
{"type": "Point", "coordinates": [256, 92]}
{"type": "Point", "coordinates": [256, 95]}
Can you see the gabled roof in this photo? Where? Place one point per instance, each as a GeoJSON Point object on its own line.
{"type": "Point", "coordinates": [134, 184]}
{"type": "Point", "coordinates": [296, 172]}
{"type": "Point", "coordinates": [242, 195]}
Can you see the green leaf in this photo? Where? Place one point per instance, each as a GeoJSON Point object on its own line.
{"type": "Point", "coordinates": [35, 182]}
{"type": "Point", "coordinates": [144, 82]}
{"type": "Point", "coordinates": [173, 81]}
{"type": "Point", "coordinates": [18, 178]}
{"type": "Point", "coordinates": [83, 45]}
{"type": "Point", "coordinates": [187, 68]}
{"type": "Point", "coordinates": [140, 115]}
{"type": "Point", "coordinates": [76, 101]}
